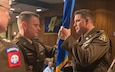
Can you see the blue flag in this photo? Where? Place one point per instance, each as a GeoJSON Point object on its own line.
{"type": "Point", "coordinates": [62, 55]}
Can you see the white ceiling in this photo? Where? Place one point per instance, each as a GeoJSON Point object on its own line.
{"type": "Point", "coordinates": [31, 5]}
{"type": "Point", "coordinates": [20, 6]}
{"type": "Point", "coordinates": [25, 7]}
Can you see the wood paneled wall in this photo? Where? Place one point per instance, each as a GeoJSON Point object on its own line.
{"type": "Point", "coordinates": [50, 38]}
{"type": "Point", "coordinates": [104, 18]}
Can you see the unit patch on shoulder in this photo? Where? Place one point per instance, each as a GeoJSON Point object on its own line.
{"type": "Point", "coordinates": [103, 37]}
{"type": "Point", "coordinates": [13, 56]}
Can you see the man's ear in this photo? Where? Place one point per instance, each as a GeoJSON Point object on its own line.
{"type": "Point", "coordinates": [87, 19]}
{"type": "Point", "coordinates": [24, 25]}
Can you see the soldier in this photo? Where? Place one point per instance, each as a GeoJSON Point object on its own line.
{"type": "Point", "coordinates": [11, 59]}
{"type": "Point", "coordinates": [91, 52]}
{"type": "Point", "coordinates": [112, 67]}
{"type": "Point", "coordinates": [33, 49]}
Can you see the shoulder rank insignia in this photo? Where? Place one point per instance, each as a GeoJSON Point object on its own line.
{"type": "Point", "coordinates": [103, 37]}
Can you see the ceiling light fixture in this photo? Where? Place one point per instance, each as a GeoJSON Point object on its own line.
{"type": "Point", "coordinates": [17, 16]}
{"type": "Point", "coordinates": [13, 0]}
{"type": "Point", "coordinates": [12, 9]}
{"type": "Point", "coordinates": [38, 10]}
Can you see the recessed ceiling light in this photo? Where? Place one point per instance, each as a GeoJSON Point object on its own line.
{"type": "Point", "coordinates": [13, 0]}
{"type": "Point", "coordinates": [38, 10]}
{"type": "Point", "coordinates": [12, 9]}
{"type": "Point", "coordinates": [17, 16]}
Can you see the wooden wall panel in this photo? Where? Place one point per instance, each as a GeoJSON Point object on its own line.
{"type": "Point", "coordinates": [101, 15]}
{"type": "Point", "coordinates": [111, 18]}
{"type": "Point", "coordinates": [50, 38]}
{"type": "Point", "coordinates": [111, 23]}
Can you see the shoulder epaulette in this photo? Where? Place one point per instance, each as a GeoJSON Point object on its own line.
{"type": "Point", "coordinates": [103, 36]}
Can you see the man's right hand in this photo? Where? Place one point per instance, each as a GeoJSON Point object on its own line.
{"type": "Point", "coordinates": [64, 33]}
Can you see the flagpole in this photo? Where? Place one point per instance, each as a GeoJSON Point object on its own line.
{"type": "Point", "coordinates": [62, 55]}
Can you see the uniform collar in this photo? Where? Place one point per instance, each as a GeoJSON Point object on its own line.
{"type": "Point", "coordinates": [19, 35]}
{"type": "Point", "coordinates": [88, 31]}
{"type": "Point", "coordinates": [29, 40]}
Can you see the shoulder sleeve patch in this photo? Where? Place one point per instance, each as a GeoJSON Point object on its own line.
{"type": "Point", "coordinates": [13, 56]}
{"type": "Point", "coordinates": [103, 37]}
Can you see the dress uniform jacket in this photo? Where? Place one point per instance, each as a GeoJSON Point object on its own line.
{"type": "Point", "coordinates": [34, 53]}
{"type": "Point", "coordinates": [11, 59]}
{"type": "Point", "coordinates": [91, 52]}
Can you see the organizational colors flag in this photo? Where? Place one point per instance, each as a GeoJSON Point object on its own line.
{"type": "Point", "coordinates": [62, 55]}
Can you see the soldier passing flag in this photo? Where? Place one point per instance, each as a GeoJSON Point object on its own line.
{"type": "Point", "coordinates": [62, 55]}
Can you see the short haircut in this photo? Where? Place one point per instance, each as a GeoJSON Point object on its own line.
{"type": "Point", "coordinates": [85, 13]}
{"type": "Point", "coordinates": [26, 15]}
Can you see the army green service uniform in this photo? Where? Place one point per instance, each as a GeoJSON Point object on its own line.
{"type": "Point", "coordinates": [112, 67]}
{"type": "Point", "coordinates": [11, 59]}
{"type": "Point", "coordinates": [91, 52]}
{"type": "Point", "coordinates": [34, 53]}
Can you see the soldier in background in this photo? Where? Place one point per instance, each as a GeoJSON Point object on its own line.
{"type": "Point", "coordinates": [91, 51]}
{"type": "Point", "coordinates": [33, 49]}
{"type": "Point", "coordinates": [11, 59]}
{"type": "Point", "coordinates": [112, 67]}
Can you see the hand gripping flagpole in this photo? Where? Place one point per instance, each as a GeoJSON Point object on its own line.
{"type": "Point", "coordinates": [62, 55]}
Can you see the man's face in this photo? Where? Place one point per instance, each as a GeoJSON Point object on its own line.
{"type": "Point", "coordinates": [50, 64]}
{"type": "Point", "coordinates": [32, 28]}
{"type": "Point", "coordinates": [4, 15]}
{"type": "Point", "coordinates": [79, 24]}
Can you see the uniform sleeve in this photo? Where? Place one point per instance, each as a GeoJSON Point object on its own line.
{"type": "Point", "coordinates": [11, 58]}
{"type": "Point", "coordinates": [67, 44]}
{"type": "Point", "coordinates": [87, 54]}
{"type": "Point", "coordinates": [50, 51]}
